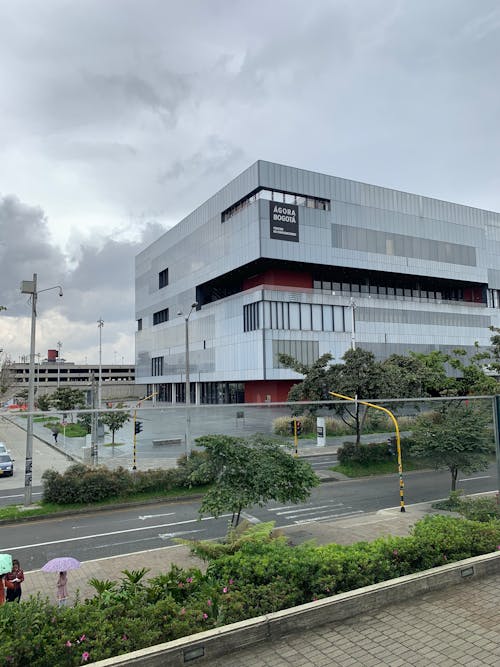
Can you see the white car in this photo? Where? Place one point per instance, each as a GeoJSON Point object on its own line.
{"type": "Point", "coordinates": [3, 448]}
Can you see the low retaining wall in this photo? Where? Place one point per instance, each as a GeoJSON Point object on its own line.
{"type": "Point", "coordinates": [205, 647]}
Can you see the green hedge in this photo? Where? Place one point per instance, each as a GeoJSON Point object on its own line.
{"type": "Point", "coordinates": [84, 484]}
{"type": "Point", "coordinates": [373, 452]}
{"type": "Point", "coordinates": [262, 576]}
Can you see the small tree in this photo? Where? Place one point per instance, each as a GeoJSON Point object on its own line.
{"type": "Point", "coordinates": [66, 399]}
{"type": "Point", "coordinates": [44, 403]}
{"type": "Point", "coordinates": [252, 471]}
{"type": "Point", "coordinates": [114, 421]}
{"type": "Point", "coordinates": [454, 438]}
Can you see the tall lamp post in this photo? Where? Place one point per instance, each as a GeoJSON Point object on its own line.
{"type": "Point", "coordinates": [100, 324]}
{"type": "Point", "coordinates": [30, 287]}
{"type": "Point", "coordinates": [59, 345]}
{"type": "Point", "coordinates": [188, 386]}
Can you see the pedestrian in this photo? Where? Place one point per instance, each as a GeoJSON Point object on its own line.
{"type": "Point", "coordinates": [13, 581]}
{"type": "Point", "coordinates": [62, 589]}
{"type": "Point", "coordinates": [55, 434]}
{"type": "Point", "coordinates": [2, 590]}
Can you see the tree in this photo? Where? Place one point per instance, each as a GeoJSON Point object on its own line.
{"type": "Point", "coordinates": [252, 471]}
{"type": "Point", "coordinates": [66, 399]}
{"type": "Point", "coordinates": [456, 437]}
{"type": "Point", "coordinates": [44, 403]}
{"type": "Point", "coordinates": [359, 375]}
{"type": "Point", "coordinates": [114, 421]}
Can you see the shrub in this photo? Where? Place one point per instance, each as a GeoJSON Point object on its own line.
{"type": "Point", "coordinates": [86, 484]}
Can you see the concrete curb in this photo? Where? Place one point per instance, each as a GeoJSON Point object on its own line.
{"type": "Point", "coordinates": [205, 647]}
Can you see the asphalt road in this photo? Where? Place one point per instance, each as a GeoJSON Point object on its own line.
{"type": "Point", "coordinates": [123, 531]}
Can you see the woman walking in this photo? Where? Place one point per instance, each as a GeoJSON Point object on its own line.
{"type": "Point", "coordinates": [62, 589]}
{"type": "Point", "coordinates": [13, 581]}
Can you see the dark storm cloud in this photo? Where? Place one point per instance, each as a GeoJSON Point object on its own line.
{"type": "Point", "coordinates": [26, 247]}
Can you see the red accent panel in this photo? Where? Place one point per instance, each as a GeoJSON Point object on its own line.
{"type": "Point", "coordinates": [52, 355]}
{"type": "Point", "coordinates": [281, 277]}
{"type": "Point", "coordinates": [271, 391]}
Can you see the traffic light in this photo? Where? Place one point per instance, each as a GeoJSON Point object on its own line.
{"type": "Point", "coordinates": [391, 446]}
{"type": "Point", "coordinates": [292, 427]}
{"type": "Point", "coordinates": [299, 427]}
{"type": "Point", "coordinates": [137, 427]}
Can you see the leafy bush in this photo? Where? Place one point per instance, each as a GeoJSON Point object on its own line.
{"type": "Point", "coordinates": [373, 452]}
{"type": "Point", "coordinates": [260, 576]}
{"type": "Point", "coordinates": [482, 509]}
{"type": "Point", "coordinates": [85, 484]}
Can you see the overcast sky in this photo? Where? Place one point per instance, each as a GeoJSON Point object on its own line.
{"type": "Point", "coordinates": [118, 117]}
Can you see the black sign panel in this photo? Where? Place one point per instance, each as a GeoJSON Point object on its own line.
{"type": "Point", "coordinates": [284, 220]}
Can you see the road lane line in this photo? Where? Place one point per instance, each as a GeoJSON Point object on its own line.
{"type": "Point", "coordinates": [326, 518]}
{"type": "Point", "coordinates": [310, 509]}
{"type": "Point", "coordinates": [153, 516]}
{"type": "Point", "coordinates": [114, 532]}
{"type": "Point", "coordinates": [470, 479]}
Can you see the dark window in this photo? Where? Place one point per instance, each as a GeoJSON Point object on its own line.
{"type": "Point", "coordinates": [275, 195]}
{"type": "Point", "coordinates": [160, 316]}
{"type": "Point", "coordinates": [157, 366]}
{"type": "Point", "coordinates": [139, 324]}
{"type": "Point", "coordinates": [163, 278]}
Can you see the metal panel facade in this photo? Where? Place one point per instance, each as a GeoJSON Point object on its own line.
{"type": "Point", "coordinates": [365, 228]}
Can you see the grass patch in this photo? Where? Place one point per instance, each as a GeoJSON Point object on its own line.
{"type": "Point", "coordinates": [15, 512]}
{"type": "Point", "coordinates": [46, 420]}
{"type": "Point", "coordinates": [114, 444]}
{"type": "Point", "coordinates": [380, 468]}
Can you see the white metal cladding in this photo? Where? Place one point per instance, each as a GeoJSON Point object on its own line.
{"type": "Point", "coordinates": [201, 247]}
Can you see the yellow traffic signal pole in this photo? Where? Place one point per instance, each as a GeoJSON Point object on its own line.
{"type": "Point", "coordinates": [398, 440]}
{"type": "Point", "coordinates": [134, 466]}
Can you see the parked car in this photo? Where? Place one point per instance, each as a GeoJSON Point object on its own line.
{"type": "Point", "coordinates": [6, 465]}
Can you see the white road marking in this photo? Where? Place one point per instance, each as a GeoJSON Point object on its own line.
{"type": "Point", "coordinates": [114, 532]}
{"type": "Point", "coordinates": [311, 509]}
{"type": "Point", "coordinates": [168, 536]}
{"type": "Point", "coordinates": [326, 518]}
{"type": "Point", "coordinates": [250, 518]}
{"type": "Point", "coordinates": [470, 479]}
{"type": "Point", "coordinates": [153, 516]}
{"type": "Point", "coordinates": [287, 507]}
{"type": "Point", "coordinates": [21, 495]}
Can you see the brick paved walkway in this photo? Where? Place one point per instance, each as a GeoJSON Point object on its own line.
{"type": "Point", "coordinates": [456, 626]}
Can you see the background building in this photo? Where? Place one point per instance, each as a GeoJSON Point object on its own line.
{"type": "Point", "coordinates": [118, 380]}
{"type": "Point", "coordinates": [287, 260]}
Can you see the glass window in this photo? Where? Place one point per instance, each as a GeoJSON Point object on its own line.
{"type": "Point", "coordinates": [279, 307]}
{"type": "Point", "coordinates": [390, 291]}
{"type": "Point", "coordinates": [327, 318]}
{"type": "Point", "coordinates": [310, 202]}
{"type": "Point", "coordinates": [265, 194]}
{"type": "Point", "coordinates": [399, 291]}
{"type": "Point", "coordinates": [267, 315]}
{"type": "Point", "coordinates": [336, 287]}
{"type": "Point", "coordinates": [317, 318]}
{"type": "Point", "coordinates": [346, 287]}
{"type": "Point", "coordinates": [278, 196]}
{"type": "Point", "coordinates": [415, 293]}
{"type": "Point", "coordinates": [289, 199]}
{"type": "Point", "coordinates": [317, 284]}
{"type": "Point", "coordinates": [355, 287]}
{"type": "Point", "coordinates": [338, 318]}
{"type": "Point", "coordinates": [327, 285]}
{"type": "Point", "coordinates": [305, 316]}
{"type": "Point", "coordinates": [301, 201]}
{"type": "Point", "coordinates": [373, 289]}
{"type": "Point", "coordinates": [294, 309]}
{"type": "Point", "coordinates": [364, 289]}
{"type": "Point", "coordinates": [286, 318]}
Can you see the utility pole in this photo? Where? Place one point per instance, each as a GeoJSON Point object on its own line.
{"type": "Point", "coordinates": [59, 345]}
{"type": "Point", "coordinates": [100, 324]}
{"type": "Point", "coordinates": [94, 422]}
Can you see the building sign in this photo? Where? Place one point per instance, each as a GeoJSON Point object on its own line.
{"type": "Point", "coordinates": [284, 220]}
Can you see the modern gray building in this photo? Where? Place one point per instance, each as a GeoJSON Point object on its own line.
{"type": "Point", "coordinates": [287, 260]}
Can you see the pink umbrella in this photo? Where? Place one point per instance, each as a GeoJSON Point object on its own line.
{"type": "Point", "coordinates": [62, 564]}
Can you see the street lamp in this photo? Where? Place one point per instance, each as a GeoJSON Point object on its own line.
{"type": "Point", "coordinates": [30, 287]}
{"type": "Point", "coordinates": [188, 386]}
{"type": "Point", "coordinates": [352, 306]}
{"type": "Point", "coordinates": [59, 345]}
{"type": "Point", "coordinates": [100, 324]}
